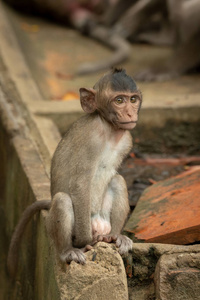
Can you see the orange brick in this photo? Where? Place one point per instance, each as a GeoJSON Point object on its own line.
{"type": "Point", "coordinates": [168, 211]}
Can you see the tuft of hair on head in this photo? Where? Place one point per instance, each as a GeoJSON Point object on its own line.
{"type": "Point", "coordinates": [117, 70]}
{"type": "Point", "coordinates": [120, 81]}
{"type": "Point", "coordinates": [117, 80]}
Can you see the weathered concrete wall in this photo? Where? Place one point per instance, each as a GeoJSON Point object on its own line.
{"type": "Point", "coordinates": [23, 181]}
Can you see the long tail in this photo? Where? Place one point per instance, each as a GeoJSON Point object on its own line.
{"type": "Point", "coordinates": [12, 259]}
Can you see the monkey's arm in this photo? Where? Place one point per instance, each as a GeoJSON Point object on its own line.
{"type": "Point", "coordinates": [12, 259]}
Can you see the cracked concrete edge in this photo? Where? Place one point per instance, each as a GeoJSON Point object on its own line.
{"type": "Point", "coordinates": [27, 153]}
{"type": "Point", "coordinates": [35, 128]}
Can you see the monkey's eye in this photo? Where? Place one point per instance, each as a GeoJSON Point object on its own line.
{"type": "Point", "coordinates": [133, 99]}
{"type": "Point", "coordinates": [119, 100]}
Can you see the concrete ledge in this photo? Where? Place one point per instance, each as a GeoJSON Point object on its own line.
{"type": "Point", "coordinates": [146, 270]}
{"type": "Point", "coordinates": [21, 184]}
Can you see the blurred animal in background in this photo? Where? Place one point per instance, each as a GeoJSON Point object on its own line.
{"type": "Point", "coordinates": [168, 22]}
{"type": "Point", "coordinates": [116, 23]}
{"type": "Point", "coordinates": [175, 23]}
{"type": "Point", "coordinates": [86, 16]}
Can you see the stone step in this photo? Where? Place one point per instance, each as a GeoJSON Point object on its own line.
{"type": "Point", "coordinates": [168, 211]}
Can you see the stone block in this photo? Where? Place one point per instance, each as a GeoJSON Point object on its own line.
{"type": "Point", "coordinates": [177, 277]}
{"type": "Point", "coordinates": [148, 269]}
{"type": "Point", "coordinates": [102, 277]}
{"type": "Point", "coordinates": [168, 211]}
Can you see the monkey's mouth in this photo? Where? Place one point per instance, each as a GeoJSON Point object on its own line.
{"type": "Point", "coordinates": [128, 122]}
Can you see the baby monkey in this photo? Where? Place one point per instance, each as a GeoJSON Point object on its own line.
{"type": "Point", "coordinates": [89, 198]}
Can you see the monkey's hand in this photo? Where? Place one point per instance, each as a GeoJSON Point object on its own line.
{"type": "Point", "coordinates": [123, 243]}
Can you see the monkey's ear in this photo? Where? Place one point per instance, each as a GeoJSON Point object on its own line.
{"type": "Point", "coordinates": [87, 98]}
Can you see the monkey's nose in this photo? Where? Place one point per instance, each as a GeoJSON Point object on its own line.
{"type": "Point", "coordinates": [128, 110]}
{"type": "Point", "coordinates": [129, 114]}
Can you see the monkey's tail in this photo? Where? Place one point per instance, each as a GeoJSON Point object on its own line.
{"type": "Point", "coordinates": [114, 41]}
{"type": "Point", "coordinates": [12, 259]}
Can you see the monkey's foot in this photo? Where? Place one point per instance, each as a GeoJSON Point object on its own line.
{"type": "Point", "coordinates": [74, 254]}
{"type": "Point", "coordinates": [123, 243]}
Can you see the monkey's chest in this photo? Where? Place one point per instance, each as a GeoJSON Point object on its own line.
{"type": "Point", "coordinates": [110, 159]}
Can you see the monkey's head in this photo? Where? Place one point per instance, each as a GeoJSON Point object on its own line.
{"type": "Point", "coordinates": [115, 97]}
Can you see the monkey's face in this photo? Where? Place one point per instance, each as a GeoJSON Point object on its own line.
{"type": "Point", "coordinates": [124, 109]}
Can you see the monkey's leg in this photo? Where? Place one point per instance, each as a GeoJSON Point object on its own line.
{"type": "Point", "coordinates": [60, 224]}
{"type": "Point", "coordinates": [118, 214]}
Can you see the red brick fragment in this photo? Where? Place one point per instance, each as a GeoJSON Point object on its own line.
{"type": "Point", "coordinates": [169, 211]}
